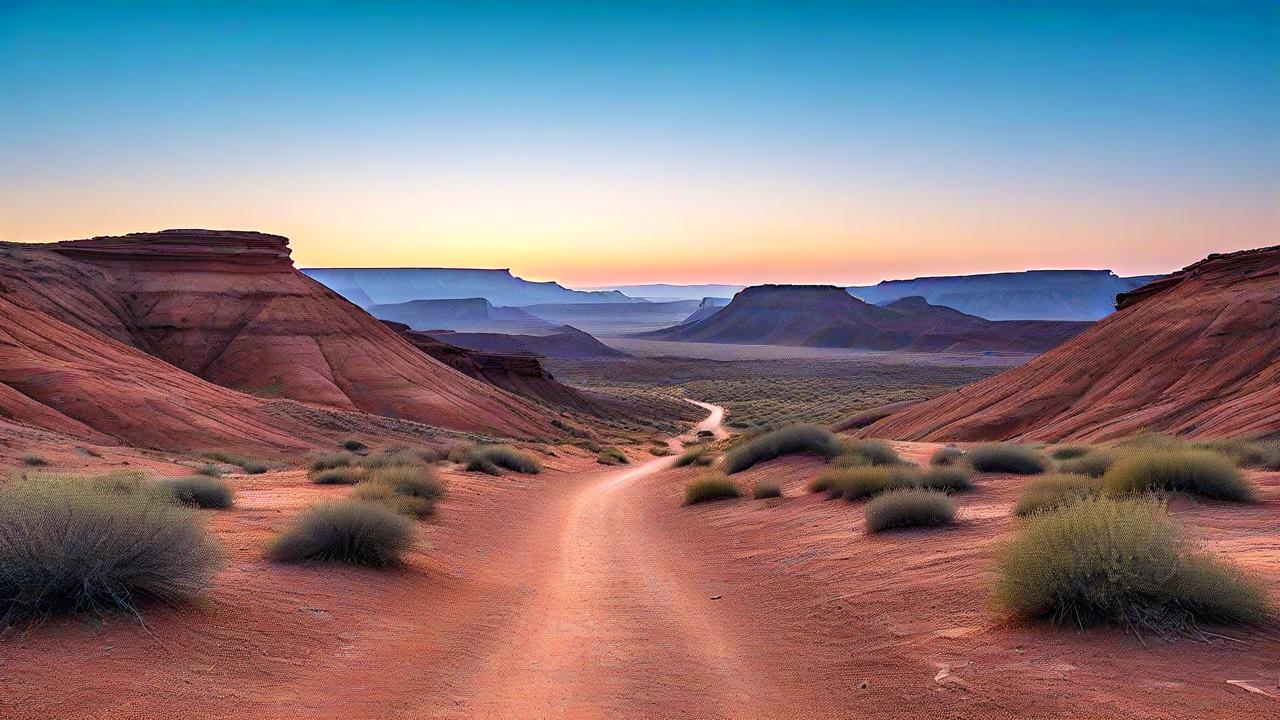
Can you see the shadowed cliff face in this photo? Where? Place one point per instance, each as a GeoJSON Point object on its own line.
{"type": "Point", "coordinates": [230, 308]}
{"type": "Point", "coordinates": [1196, 353]}
{"type": "Point", "coordinates": [827, 316]}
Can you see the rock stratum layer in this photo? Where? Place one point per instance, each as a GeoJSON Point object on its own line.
{"type": "Point", "coordinates": [174, 339]}
{"type": "Point", "coordinates": [1196, 353]}
{"type": "Point", "coordinates": [827, 316]}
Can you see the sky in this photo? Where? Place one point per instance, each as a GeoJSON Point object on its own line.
{"type": "Point", "coordinates": [675, 142]}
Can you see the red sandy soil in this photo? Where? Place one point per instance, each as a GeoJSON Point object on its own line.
{"type": "Point", "coordinates": [586, 592]}
{"type": "Point", "coordinates": [1196, 354]}
{"type": "Point", "coordinates": [229, 308]}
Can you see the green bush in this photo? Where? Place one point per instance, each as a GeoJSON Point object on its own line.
{"type": "Point", "coordinates": [786, 440]}
{"type": "Point", "coordinates": [349, 475]}
{"type": "Point", "coordinates": [946, 479]}
{"type": "Point", "coordinates": [711, 487]}
{"type": "Point", "coordinates": [209, 470]}
{"type": "Point", "coordinates": [1093, 464]}
{"type": "Point", "coordinates": [199, 490]}
{"type": "Point", "coordinates": [73, 546]}
{"type": "Point", "coordinates": [856, 483]}
{"type": "Point", "coordinates": [612, 456]}
{"type": "Point", "coordinates": [945, 456]}
{"type": "Point", "coordinates": [492, 459]}
{"type": "Point", "coordinates": [352, 445]}
{"type": "Point", "coordinates": [1052, 491]}
{"type": "Point", "coordinates": [349, 531]}
{"type": "Point", "coordinates": [1190, 471]}
{"type": "Point", "coordinates": [766, 489]}
{"type": "Point", "coordinates": [1068, 452]}
{"type": "Point", "coordinates": [33, 460]}
{"type": "Point", "coordinates": [690, 456]}
{"type": "Point", "coordinates": [866, 452]}
{"type": "Point", "coordinates": [1005, 458]}
{"type": "Point", "coordinates": [909, 508]}
{"type": "Point", "coordinates": [1107, 560]}
{"type": "Point", "coordinates": [329, 461]}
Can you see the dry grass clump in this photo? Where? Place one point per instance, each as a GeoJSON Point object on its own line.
{"type": "Point", "coordinates": [199, 490]}
{"type": "Point", "coordinates": [1094, 463]}
{"type": "Point", "coordinates": [349, 475]}
{"type": "Point", "coordinates": [1191, 471]}
{"type": "Point", "coordinates": [352, 445]}
{"type": "Point", "coordinates": [945, 456]}
{"type": "Point", "coordinates": [250, 466]}
{"type": "Point", "coordinates": [33, 460]}
{"type": "Point", "coordinates": [493, 459]}
{"type": "Point", "coordinates": [865, 452]}
{"type": "Point", "coordinates": [406, 489]}
{"type": "Point", "coordinates": [660, 450]}
{"type": "Point", "coordinates": [910, 507]}
{"type": "Point", "coordinates": [766, 489]}
{"type": "Point", "coordinates": [787, 440]}
{"type": "Point", "coordinates": [1244, 452]}
{"type": "Point", "coordinates": [1067, 452]}
{"type": "Point", "coordinates": [1121, 561]}
{"type": "Point", "coordinates": [1007, 458]}
{"type": "Point", "coordinates": [946, 479]}
{"type": "Point", "coordinates": [612, 456]}
{"type": "Point", "coordinates": [349, 531]}
{"type": "Point", "coordinates": [691, 455]}
{"type": "Point", "coordinates": [328, 461]}
{"type": "Point", "coordinates": [73, 546]}
{"type": "Point", "coordinates": [209, 470]}
{"type": "Point", "coordinates": [1053, 491]}
{"type": "Point", "coordinates": [856, 483]}
{"type": "Point", "coordinates": [710, 487]}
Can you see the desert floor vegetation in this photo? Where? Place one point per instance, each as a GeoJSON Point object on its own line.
{"type": "Point", "coordinates": [1119, 561]}
{"type": "Point", "coordinates": [1007, 458]}
{"type": "Point", "coordinates": [1067, 452]}
{"type": "Point", "coordinates": [346, 531]}
{"type": "Point", "coordinates": [33, 460]}
{"type": "Point", "coordinates": [857, 483]}
{"type": "Point", "coordinates": [1245, 453]}
{"type": "Point", "coordinates": [909, 507]}
{"type": "Point", "coordinates": [71, 546]}
{"type": "Point", "coordinates": [711, 487]}
{"type": "Point", "coordinates": [1093, 463]}
{"type": "Point", "coordinates": [1048, 492]}
{"type": "Point", "coordinates": [786, 440]}
{"type": "Point", "coordinates": [762, 489]}
{"type": "Point", "coordinates": [412, 490]}
{"type": "Point", "coordinates": [329, 461]}
{"type": "Point", "coordinates": [1197, 472]}
{"type": "Point", "coordinates": [210, 470]}
{"type": "Point", "coordinates": [694, 455]}
{"type": "Point", "coordinates": [248, 465]}
{"type": "Point", "coordinates": [200, 491]}
{"type": "Point", "coordinates": [946, 479]}
{"type": "Point", "coordinates": [493, 459]}
{"type": "Point", "coordinates": [865, 452]}
{"type": "Point", "coordinates": [946, 456]}
{"type": "Point", "coordinates": [660, 451]}
{"type": "Point", "coordinates": [349, 475]}
{"type": "Point", "coordinates": [612, 456]}
{"type": "Point", "coordinates": [352, 445]}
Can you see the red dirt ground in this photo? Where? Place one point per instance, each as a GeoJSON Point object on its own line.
{"type": "Point", "coordinates": [590, 592]}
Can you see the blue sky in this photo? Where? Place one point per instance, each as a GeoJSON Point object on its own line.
{"type": "Point", "coordinates": [605, 143]}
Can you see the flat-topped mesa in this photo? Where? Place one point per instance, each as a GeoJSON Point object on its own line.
{"type": "Point", "coordinates": [235, 247]}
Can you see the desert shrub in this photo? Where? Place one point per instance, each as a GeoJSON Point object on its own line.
{"type": "Point", "coordinates": [209, 470]}
{"type": "Point", "coordinates": [384, 494]}
{"type": "Point", "coordinates": [589, 445]}
{"type": "Point", "coordinates": [786, 440]}
{"type": "Point", "coordinates": [612, 456]}
{"type": "Point", "coordinates": [350, 531]}
{"type": "Point", "coordinates": [1051, 491]}
{"type": "Point", "coordinates": [946, 456]}
{"type": "Point", "coordinates": [710, 487]}
{"type": "Point", "coordinates": [251, 466]}
{"type": "Point", "coordinates": [1243, 452]}
{"type": "Point", "coordinates": [1067, 452]}
{"type": "Point", "coordinates": [1118, 561]}
{"type": "Point", "coordinates": [1093, 464]}
{"type": "Point", "coordinates": [328, 461]}
{"type": "Point", "coordinates": [493, 459]}
{"type": "Point", "coordinates": [349, 475]}
{"type": "Point", "coordinates": [910, 507]}
{"type": "Point", "coordinates": [33, 460]}
{"type": "Point", "coordinates": [199, 490]}
{"type": "Point", "coordinates": [1190, 471]}
{"type": "Point", "coordinates": [946, 479]}
{"type": "Point", "coordinates": [660, 450]}
{"type": "Point", "coordinates": [866, 452]}
{"type": "Point", "coordinates": [417, 483]}
{"type": "Point", "coordinates": [856, 483]}
{"type": "Point", "coordinates": [691, 455]}
{"type": "Point", "coordinates": [1005, 458]}
{"type": "Point", "coordinates": [352, 445]}
{"type": "Point", "coordinates": [397, 457]}
{"type": "Point", "coordinates": [67, 545]}
{"type": "Point", "coordinates": [766, 489]}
